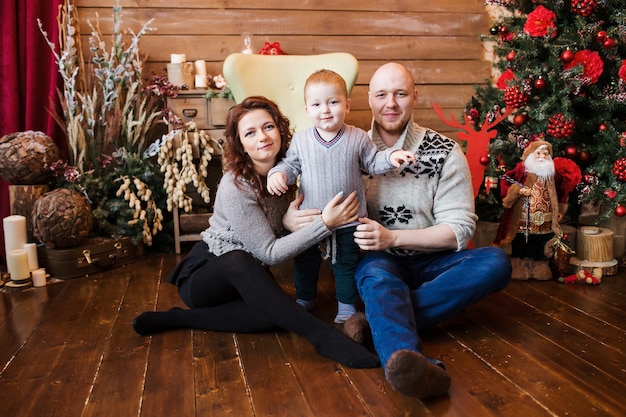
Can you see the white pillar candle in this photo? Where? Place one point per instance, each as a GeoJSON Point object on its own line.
{"type": "Point", "coordinates": [178, 58]}
{"type": "Point", "coordinates": [200, 67]}
{"type": "Point", "coordinates": [14, 232]}
{"type": "Point", "coordinates": [39, 277]}
{"type": "Point", "coordinates": [31, 251]}
{"type": "Point", "coordinates": [201, 81]}
{"type": "Point", "coordinates": [17, 264]}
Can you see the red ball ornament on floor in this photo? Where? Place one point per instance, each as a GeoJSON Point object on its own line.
{"type": "Point", "coordinates": [484, 160]}
{"type": "Point", "coordinates": [620, 211]}
{"type": "Point", "coordinates": [567, 56]}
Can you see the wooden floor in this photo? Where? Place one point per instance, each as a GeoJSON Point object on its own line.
{"type": "Point", "coordinates": [535, 349]}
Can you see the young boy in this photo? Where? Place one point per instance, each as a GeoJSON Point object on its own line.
{"type": "Point", "coordinates": [329, 158]}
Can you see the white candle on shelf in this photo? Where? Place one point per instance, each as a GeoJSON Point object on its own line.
{"type": "Point", "coordinates": [17, 264]}
{"type": "Point", "coordinates": [178, 58]}
{"type": "Point", "coordinates": [39, 277]}
{"type": "Point", "coordinates": [200, 67]}
{"type": "Point", "coordinates": [31, 251]}
{"type": "Point", "coordinates": [201, 81]}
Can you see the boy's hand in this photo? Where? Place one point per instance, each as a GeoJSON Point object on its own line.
{"type": "Point", "coordinates": [277, 183]}
{"type": "Point", "coordinates": [399, 158]}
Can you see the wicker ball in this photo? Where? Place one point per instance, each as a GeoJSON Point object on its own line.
{"type": "Point", "coordinates": [25, 157]}
{"type": "Point", "coordinates": [62, 218]}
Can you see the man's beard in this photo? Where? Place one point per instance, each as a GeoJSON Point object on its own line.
{"type": "Point", "coordinates": [542, 168]}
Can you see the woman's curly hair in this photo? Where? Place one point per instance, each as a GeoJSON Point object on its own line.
{"type": "Point", "coordinates": [235, 158]}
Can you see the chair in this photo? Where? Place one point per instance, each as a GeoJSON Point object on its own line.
{"type": "Point", "coordinates": [281, 78]}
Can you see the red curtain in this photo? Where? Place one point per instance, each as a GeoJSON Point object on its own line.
{"type": "Point", "coordinates": [28, 76]}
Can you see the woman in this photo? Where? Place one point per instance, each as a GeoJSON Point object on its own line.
{"type": "Point", "coordinates": [225, 280]}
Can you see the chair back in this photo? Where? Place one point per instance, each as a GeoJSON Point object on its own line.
{"type": "Point", "coordinates": [281, 78]}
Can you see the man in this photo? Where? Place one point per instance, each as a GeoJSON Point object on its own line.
{"type": "Point", "coordinates": [535, 196]}
{"type": "Point", "coordinates": [416, 272]}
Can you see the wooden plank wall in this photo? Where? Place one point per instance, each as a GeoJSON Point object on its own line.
{"type": "Point", "coordinates": [438, 40]}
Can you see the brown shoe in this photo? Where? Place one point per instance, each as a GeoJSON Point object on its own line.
{"type": "Point", "coordinates": [411, 374]}
{"type": "Point", "coordinates": [357, 328]}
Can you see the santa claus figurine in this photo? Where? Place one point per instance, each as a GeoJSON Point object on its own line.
{"type": "Point", "coordinates": [534, 196]}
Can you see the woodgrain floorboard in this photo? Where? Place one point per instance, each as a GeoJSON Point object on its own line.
{"type": "Point", "coordinates": [534, 349]}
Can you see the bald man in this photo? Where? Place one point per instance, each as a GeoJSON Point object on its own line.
{"type": "Point", "coordinates": [417, 270]}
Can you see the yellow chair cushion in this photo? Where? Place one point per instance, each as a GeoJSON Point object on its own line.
{"type": "Point", "coordinates": [281, 78]}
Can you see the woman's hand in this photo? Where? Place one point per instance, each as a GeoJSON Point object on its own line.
{"type": "Point", "coordinates": [295, 219]}
{"type": "Point", "coordinates": [337, 212]}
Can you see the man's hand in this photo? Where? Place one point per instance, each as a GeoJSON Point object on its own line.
{"type": "Point", "coordinates": [371, 235]}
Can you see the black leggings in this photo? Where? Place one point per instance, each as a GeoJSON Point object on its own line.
{"type": "Point", "coordinates": [235, 293]}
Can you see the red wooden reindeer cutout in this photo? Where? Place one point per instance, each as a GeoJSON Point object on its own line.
{"type": "Point", "coordinates": [477, 141]}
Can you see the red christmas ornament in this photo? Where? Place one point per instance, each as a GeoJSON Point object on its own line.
{"type": "Point", "coordinates": [567, 56]}
{"type": "Point", "coordinates": [584, 156]}
{"type": "Point", "coordinates": [602, 127]}
{"type": "Point", "coordinates": [484, 160]}
{"type": "Point", "coordinates": [560, 127]}
{"type": "Point", "coordinates": [540, 83]}
{"type": "Point", "coordinates": [515, 97]}
{"type": "Point", "coordinates": [601, 36]}
{"type": "Point", "coordinates": [520, 119]}
{"type": "Point", "coordinates": [608, 43]}
{"type": "Point", "coordinates": [571, 151]}
{"type": "Point", "coordinates": [620, 211]}
{"type": "Point", "coordinates": [619, 169]}
{"type": "Point", "coordinates": [510, 56]}
{"type": "Point", "coordinates": [610, 193]}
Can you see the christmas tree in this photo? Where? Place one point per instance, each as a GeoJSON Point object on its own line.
{"type": "Point", "coordinates": [561, 67]}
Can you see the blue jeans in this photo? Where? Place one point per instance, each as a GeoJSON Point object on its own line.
{"type": "Point", "coordinates": [404, 295]}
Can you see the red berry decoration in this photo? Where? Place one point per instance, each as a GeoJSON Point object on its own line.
{"type": "Point", "coordinates": [584, 8]}
{"type": "Point", "coordinates": [619, 169]}
{"type": "Point", "coordinates": [560, 127]}
{"type": "Point", "coordinates": [484, 160]}
{"type": "Point", "coordinates": [520, 119]}
{"type": "Point", "coordinates": [567, 56]}
{"type": "Point", "coordinates": [620, 211]}
{"type": "Point", "coordinates": [515, 97]}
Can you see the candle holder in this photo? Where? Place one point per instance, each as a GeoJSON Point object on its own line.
{"type": "Point", "coordinates": [247, 43]}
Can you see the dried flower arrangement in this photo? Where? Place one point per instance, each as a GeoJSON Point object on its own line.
{"type": "Point", "coordinates": [108, 115]}
{"type": "Point", "coordinates": [177, 155]}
